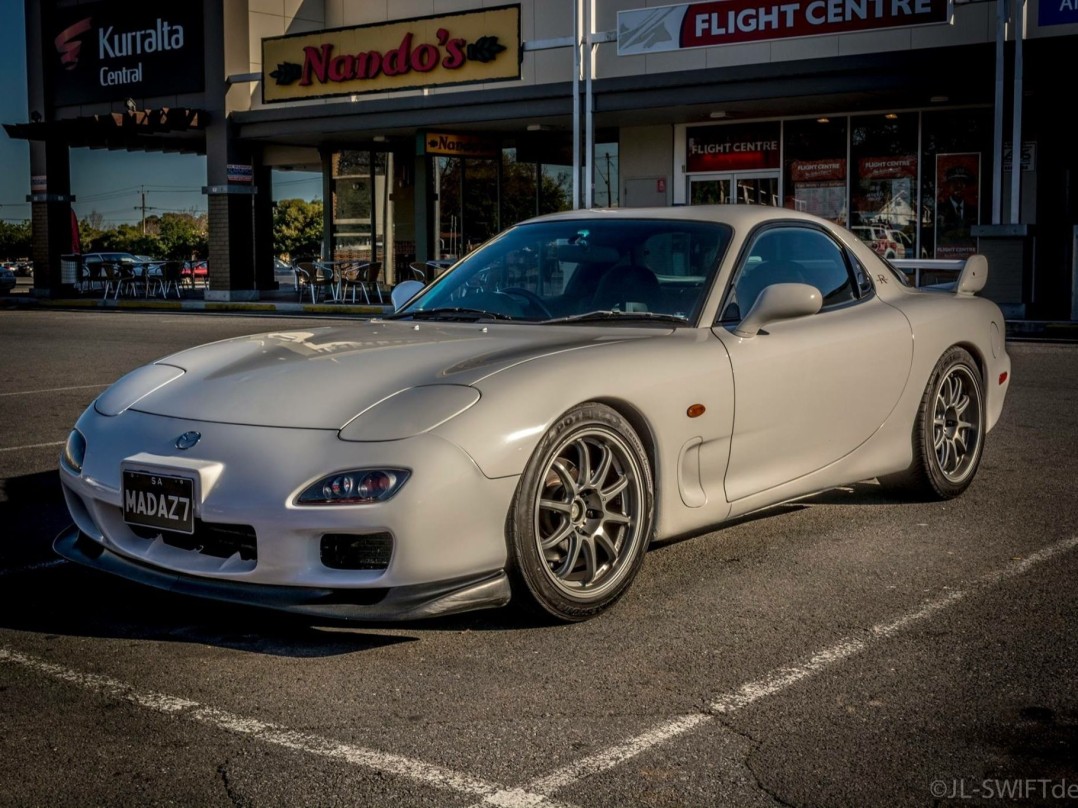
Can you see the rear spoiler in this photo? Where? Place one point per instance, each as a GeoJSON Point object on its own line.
{"type": "Point", "coordinates": [973, 277]}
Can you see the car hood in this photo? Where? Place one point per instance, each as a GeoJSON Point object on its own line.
{"type": "Point", "coordinates": [323, 377]}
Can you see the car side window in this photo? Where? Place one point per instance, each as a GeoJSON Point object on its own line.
{"type": "Point", "coordinates": [791, 254]}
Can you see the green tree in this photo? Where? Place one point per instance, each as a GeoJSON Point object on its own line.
{"type": "Point", "coordinates": [15, 239]}
{"type": "Point", "coordinates": [181, 235]}
{"type": "Point", "coordinates": [297, 227]}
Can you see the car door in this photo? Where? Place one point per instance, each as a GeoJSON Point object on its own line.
{"type": "Point", "coordinates": [810, 390]}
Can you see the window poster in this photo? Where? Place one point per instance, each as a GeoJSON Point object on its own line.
{"type": "Point", "coordinates": [819, 187]}
{"type": "Point", "coordinates": [957, 203]}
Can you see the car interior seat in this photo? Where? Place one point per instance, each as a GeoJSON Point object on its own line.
{"type": "Point", "coordinates": [621, 286]}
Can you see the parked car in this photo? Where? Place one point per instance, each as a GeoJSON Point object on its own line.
{"type": "Point", "coordinates": [195, 273]}
{"type": "Point", "coordinates": [7, 279]}
{"type": "Point", "coordinates": [881, 239]}
{"type": "Point", "coordinates": [527, 424]}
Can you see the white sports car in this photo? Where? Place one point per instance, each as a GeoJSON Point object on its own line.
{"type": "Point", "coordinates": [524, 426]}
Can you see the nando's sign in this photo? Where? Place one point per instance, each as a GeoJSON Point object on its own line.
{"type": "Point", "coordinates": [474, 46]}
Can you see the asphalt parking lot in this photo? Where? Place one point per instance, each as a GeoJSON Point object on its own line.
{"type": "Point", "coordinates": [842, 650]}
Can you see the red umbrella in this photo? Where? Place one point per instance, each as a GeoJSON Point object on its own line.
{"type": "Point", "coordinates": [76, 242]}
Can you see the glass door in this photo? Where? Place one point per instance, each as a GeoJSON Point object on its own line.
{"type": "Point", "coordinates": [741, 188]}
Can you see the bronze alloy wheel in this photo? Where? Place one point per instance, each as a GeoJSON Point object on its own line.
{"type": "Point", "coordinates": [582, 516]}
{"type": "Point", "coordinates": [948, 435]}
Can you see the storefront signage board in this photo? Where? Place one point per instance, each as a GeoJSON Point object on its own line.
{"type": "Point", "coordinates": [1057, 12]}
{"type": "Point", "coordinates": [115, 49]}
{"type": "Point", "coordinates": [732, 148]}
{"type": "Point", "coordinates": [705, 25]}
{"type": "Point", "coordinates": [445, 144]}
{"type": "Point", "coordinates": [464, 48]}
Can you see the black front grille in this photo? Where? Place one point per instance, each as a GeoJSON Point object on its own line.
{"type": "Point", "coordinates": [210, 538]}
{"type": "Point", "coordinates": [342, 551]}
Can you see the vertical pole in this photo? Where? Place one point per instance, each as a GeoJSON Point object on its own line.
{"type": "Point", "coordinates": [589, 116]}
{"type": "Point", "coordinates": [1016, 112]}
{"type": "Point", "coordinates": [997, 123]}
{"type": "Point", "coordinates": [577, 27]}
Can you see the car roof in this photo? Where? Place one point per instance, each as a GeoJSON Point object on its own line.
{"type": "Point", "coordinates": [738, 216]}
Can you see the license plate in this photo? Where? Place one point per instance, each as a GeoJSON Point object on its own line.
{"type": "Point", "coordinates": [160, 501]}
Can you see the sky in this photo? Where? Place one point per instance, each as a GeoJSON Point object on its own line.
{"type": "Point", "coordinates": [110, 183]}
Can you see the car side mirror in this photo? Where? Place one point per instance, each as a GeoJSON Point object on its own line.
{"type": "Point", "coordinates": [403, 292]}
{"type": "Point", "coordinates": [780, 301]}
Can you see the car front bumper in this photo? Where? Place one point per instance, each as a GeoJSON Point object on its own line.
{"type": "Point", "coordinates": [444, 528]}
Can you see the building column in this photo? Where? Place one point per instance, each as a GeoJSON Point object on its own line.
{"type": "Point", "coordinates": [230, 185]}
{"type": "Point", "coordinates": [51, 221]}
{"type": "Point", "coordinates": [423, 209]}
{"type": "Point", "coordinates": [263, 228]}
{"type": "Point", "coordinates": [50, 177]}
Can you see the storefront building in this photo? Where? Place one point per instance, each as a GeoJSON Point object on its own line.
{"type": "Point", "coordinates": [436, 123]}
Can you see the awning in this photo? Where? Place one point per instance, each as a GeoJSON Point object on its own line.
{"type": "Point", "coordinates": [167, 129]}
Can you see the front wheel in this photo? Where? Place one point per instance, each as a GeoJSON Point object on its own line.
{"type": "Point", "coordinates": [581, 518]}
{"type": "Point", "coordinates": [948, 435]}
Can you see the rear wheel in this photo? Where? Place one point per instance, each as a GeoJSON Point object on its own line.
{"type": "Point", "coordinates": [582, 515]}
{"type": "Point", "coordinates": [948, 435]}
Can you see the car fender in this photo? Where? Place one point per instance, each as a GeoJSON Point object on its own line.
{"type": "Point", "coordinates": [653, 383]}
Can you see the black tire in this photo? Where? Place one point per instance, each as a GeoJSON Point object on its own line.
{"type": "Point", "coordinates": [581, 519]}
{"type": "Point", "coordinates": [948, 435]}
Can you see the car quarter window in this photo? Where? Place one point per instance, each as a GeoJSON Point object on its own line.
{"type": "Point", "coordinates": [791, 254]}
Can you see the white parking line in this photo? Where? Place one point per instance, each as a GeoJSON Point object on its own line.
{"type": "Point", "coordinates": [44, 565]}
{"type": "Point", "coordinates": [32, 446]}
{"type": "Point", "coordinates": [775, 682]}
{"type": "Point", "coordinates": [387, 763]}
{"type": "Point", "coordinates": [540, 790]}
{"type": "Point", "coordinates": [52, 390]}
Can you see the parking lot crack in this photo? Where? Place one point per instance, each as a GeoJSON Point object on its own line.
{"type": "Point", "coordinates": [226, 780]}
{"type": "Point", "coordinates": [752, 747]}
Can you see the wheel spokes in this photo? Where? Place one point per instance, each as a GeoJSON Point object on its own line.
{"type": "Point", "coordinates": [585, 514]}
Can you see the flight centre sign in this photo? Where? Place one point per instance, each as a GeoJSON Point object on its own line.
{"type": "Point", "coordinates": [462, 48]}
{"type": "Point", "coordinates": [705, 25]}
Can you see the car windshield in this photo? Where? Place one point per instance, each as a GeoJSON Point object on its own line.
{"type": "Point", "coordinates": [582, 270]}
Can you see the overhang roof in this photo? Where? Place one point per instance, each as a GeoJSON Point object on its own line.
{"type": "Point", "coordinates": [168, 129]}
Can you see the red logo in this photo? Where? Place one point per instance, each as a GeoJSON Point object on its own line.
{"type": "Point", "coordinates": [68, 45]}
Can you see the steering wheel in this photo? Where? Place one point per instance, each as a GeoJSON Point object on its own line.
{"type": "Point", "coordinates": [531, 301]}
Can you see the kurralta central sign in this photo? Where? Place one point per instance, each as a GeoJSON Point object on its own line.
{"type": "Point", "coordinates": [474, 46]}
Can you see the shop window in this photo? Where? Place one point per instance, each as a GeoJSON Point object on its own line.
{"type": "Point", "coordinates": [360, 204]}
{"type": "Point", "coordinates": [883, 182]}
{"type": "Point", "coordinates": [956, 189]}
{"type": "Point", "coordinates": [814, 167]}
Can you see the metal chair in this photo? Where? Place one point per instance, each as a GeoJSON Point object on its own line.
{"type": "Point", "coordinates": [118, 280]}
{"type": "Point", "coordinates": [352, 278]}
{"type": "Point", "coordinates": [92, 277]}
{"type": "Point", "coordinates": [315, 278]}
{"type": "Point", "coordinates": [302, 271]}
{"type": "Point", "coordinates": [171, 277]}
{"type": "Point", "coordinates": [369, 280]}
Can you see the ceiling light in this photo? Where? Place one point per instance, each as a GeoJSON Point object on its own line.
{"type": "Point", "coordinates": [891, 116]}
{"type": "Point", "coordinates": [719, 113]}
{"type": "Point", "coordinates": [539, 127]}
{"type": "Point", "coordinates": [823, 120]}
{"type": "Point", "coordinates": [939, 99]}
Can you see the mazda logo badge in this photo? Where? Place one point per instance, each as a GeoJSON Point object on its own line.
{"type": "Point", "coordinates": [188, 439]}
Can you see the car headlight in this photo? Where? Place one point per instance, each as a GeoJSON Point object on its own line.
{"type": "Point", "coordinates": [356, 487]}
{"type": "Point", "coordinates": [74, 452]}
{"type": "Point", "coordinates": [410, 412]}
{"type": "Point", "coordinates": [135, 386]}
